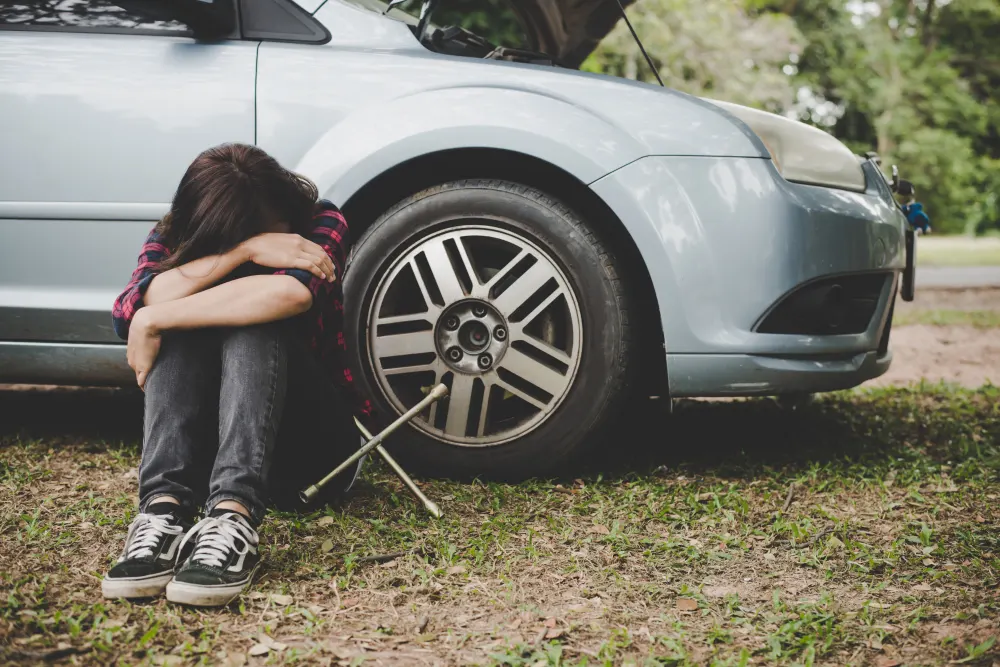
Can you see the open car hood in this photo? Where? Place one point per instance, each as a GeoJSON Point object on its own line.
{"type": "Point", "coordinates": [568, 30]}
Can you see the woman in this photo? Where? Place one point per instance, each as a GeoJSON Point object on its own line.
{"type": "Point", "coordinates": [233, 321]}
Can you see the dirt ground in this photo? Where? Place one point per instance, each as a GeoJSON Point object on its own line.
{"type": "Point", "coordinates": [859, 530]}
{"type": "Point", "coordinates": [963, 354]}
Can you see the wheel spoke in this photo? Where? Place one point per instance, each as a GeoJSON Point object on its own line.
{"type": "Point", "coordinates": [534, 372]}
{"type": "Point", "coordinates": [444, 273]}
{"type": "Point", "coordinates": [467, 262]}
{"type": "Point", "coordinates": [546, 302]}
{"type": "Point", "coordinates": [418, 342]}
{"type": "Point", "coordinates": [428, 317]}
{"type": "Point", "coordinates": [527, 398]}
{"type": "Point", "coordinates": [507, 268]}
{"type": "Point", "coordinates": [542, 346]}
{"type": "Point", "coordinates": [483, 408]}
{"type": "Point", "coordinates": [524, 287]}
{"type": "Point", "coordinates": [435, 367]}
{"type": "Point", "coordinates": [419, 277]}
{"type": "Point", "coordinates": [459, 404]}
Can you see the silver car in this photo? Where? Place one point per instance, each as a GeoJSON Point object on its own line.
{"type": "Point", "coordinates": [549, 243]}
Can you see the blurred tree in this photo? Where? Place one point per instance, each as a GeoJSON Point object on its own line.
{"type": "Point", "coordinates": [712, 48]}
{"type": "Point", "coordinates": [915, 80]}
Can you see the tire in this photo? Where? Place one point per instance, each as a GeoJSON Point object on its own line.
{"type": "Point", "coordinates": [580, 377]}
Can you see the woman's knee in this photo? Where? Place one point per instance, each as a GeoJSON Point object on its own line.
{"type": "Point", "coordinates": [246, 350]}
{"type": "Point", "coordinates": [255, 335]}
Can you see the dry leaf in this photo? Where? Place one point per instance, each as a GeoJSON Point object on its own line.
{"type": "Point", "coordinates": [599, 530]}
{"type": "Point", "coordinates": [922, 587]}
{"type": "Point", "coordinates": [686, 604]}
{"type": "Point", "coordinates": [550, 623]}
{"type": "Point", "coordinates": [327, 546]}
{"type": "Point", "coordinates": [259, 649]}
{"type": "Point", "coordinates": [456, 569]}
{"type": "Point", "coordinates": [554, 633]}
{"type": "Point", "coordinates": [282, 600]}
{"type": "Point", "coordinates": [325, 521]}
{"type": "Point", "coordinates": [230, 659]}
{"type": "Point", "coordinates": [887, 662]}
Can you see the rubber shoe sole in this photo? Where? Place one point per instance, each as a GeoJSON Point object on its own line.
{"type": "Point", "coordinates": [134, 588]}
{"type": "Point", "coordinates": [196, 595]}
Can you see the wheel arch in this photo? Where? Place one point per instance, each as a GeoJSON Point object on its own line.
{"type": "Point", "coordinates": [364, 206]}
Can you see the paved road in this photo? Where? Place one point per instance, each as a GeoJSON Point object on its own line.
{"type": "Point", "coordinates": [958, 276]}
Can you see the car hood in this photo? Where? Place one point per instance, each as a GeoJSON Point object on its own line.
{"type": "Point", "coordinates": [568, 30]}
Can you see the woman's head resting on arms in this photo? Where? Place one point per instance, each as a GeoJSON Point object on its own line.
{"type": "Point", "coordinates": [229, 194]}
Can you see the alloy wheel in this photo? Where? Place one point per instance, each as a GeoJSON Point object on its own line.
{"type": "Point", "coordinates": [490, 314]}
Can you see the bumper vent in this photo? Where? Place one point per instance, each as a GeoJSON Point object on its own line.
{"type": "Point", "coordinates": [827, 307]}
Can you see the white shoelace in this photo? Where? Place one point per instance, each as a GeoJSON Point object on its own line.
{"type": "Point", "coordinates": [218, 538]}
{"type": "Point", "coordinates": [145, 533]}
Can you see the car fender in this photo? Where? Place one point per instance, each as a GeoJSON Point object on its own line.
{"type": "Point", "coordinates": [370, 141]}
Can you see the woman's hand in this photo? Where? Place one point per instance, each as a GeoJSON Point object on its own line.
{"type": "Point", "coordinates": [290, 251]}
{"type": "Point", "coordinates": [143, 346]}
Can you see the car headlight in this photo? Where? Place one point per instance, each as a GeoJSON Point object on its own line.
{"type": "Point", "coordinates": [802, 153]}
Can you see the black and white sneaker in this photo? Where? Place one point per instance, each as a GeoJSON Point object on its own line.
{"type": "Point", "coordinates": [221, 565]}
{"type": "Point", "coordinates": [152, 550]}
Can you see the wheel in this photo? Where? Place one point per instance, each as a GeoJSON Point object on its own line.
{"type": "Point", "coordinates": [506, 296]}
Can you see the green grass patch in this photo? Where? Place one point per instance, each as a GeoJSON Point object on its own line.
{"type": "Point", "coordinates": [958, 251]}
{"type": "Point", "coordinates": [861, 527]}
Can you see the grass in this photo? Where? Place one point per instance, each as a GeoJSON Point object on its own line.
{"type": "Point", "coordinates": [859, 529]}
{"type": "Point", "coordinates": [958, 251]}
{"type": "Point", "coordinates": [982, 319]}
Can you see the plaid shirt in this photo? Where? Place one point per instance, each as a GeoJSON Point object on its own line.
{"type": "Point", "coordinates": [324, 321]}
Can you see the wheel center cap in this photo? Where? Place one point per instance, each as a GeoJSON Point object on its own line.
{"type": "Point", "coordinates": [471, 336]}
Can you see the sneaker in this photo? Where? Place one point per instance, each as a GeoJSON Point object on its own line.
{"type": "Point", "coordinates": [221, 565]}
{"type": "Point", "coordinates": [151, 553]}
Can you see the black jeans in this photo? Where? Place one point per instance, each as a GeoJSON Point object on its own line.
{"type": "Point", "coordinates": [242, 414]}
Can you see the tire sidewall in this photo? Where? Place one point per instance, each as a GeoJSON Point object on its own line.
{"type": "Point", "coordinates": [561, 234]}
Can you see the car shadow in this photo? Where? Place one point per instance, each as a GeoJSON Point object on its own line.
{"type": "Point", "coordinates": [742, 439]}
{"type": "Point", "coordinates": [733, 439]}
{"type": "Point", "coordinates": [70, 414]}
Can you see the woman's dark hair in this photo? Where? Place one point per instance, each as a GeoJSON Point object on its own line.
{"type": "Point", "coordinates": [229, 194]}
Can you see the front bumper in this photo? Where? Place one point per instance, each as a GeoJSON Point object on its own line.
{"type": "Point", "coordinates": [726, 239]}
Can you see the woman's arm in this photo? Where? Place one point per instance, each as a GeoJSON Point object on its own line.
{"type": "Point", "coordinates": [285, 251]}
{"type": "Point", "coordinates": [239, 303]}
{"type": "Point", "coordinates": [193, 277]}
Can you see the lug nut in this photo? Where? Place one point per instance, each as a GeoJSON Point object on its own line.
{"type": "Point", "coordinates": [500, 333]}
{"type": "Point", "coordinates": [479, 310]}
{"type": "Point", "coordinates": [454, 354]}
{"type": "Point", "coordinates": [451, 322]}
{"type": "Point", "coordinates": [485, 361]}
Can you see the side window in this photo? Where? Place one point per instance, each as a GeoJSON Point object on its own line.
{"type": "Point", "coordinates": [82, 15]}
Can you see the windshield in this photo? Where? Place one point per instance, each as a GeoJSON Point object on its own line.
{"type": "Point", "coordinates": [493, 20]}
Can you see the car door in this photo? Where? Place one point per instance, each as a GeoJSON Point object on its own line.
{"type": "Point", "coordinates": [101, 112]}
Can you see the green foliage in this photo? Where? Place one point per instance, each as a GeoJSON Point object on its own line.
{"type": "Point", "coordinates": [712, 48]}
{"type": "Point", "coordinates": [916, 82]}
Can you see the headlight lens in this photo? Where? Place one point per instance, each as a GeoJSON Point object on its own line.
{"type": "Point", "coordinates": [802, 153]}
